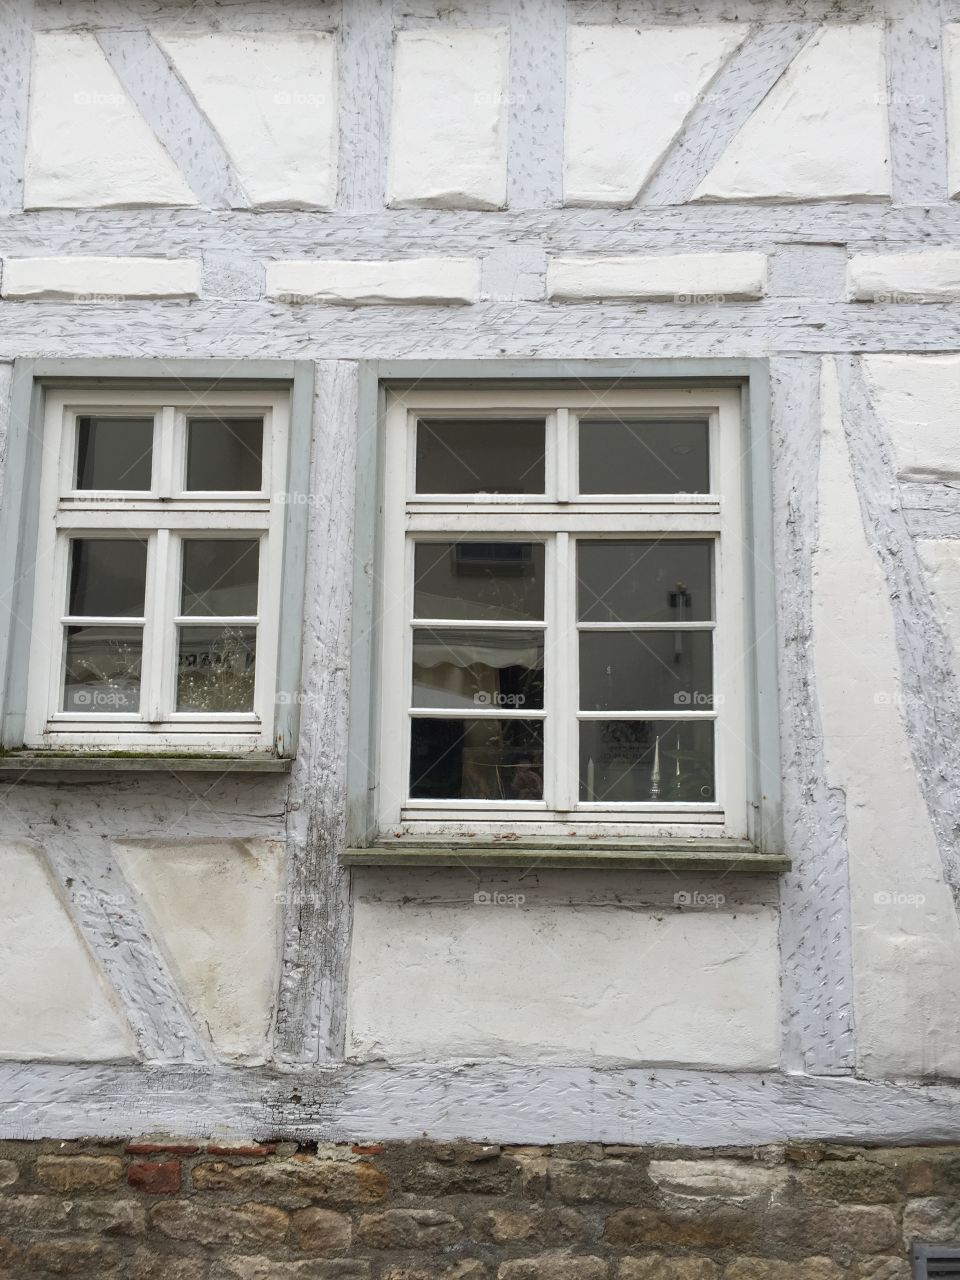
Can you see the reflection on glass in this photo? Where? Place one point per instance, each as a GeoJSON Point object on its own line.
{"type": "Point", "coordinates": [114, 453]}
{"type": "Point", "coordinates": [220, 577]}
{"type": "Point", "coordinates": [482, 581]}
{"type": "Point", "coordinates": [470, 456]}
{"type": "Point", "coordinates": [476, 759]}
{"type": "Point", "coordinates": [646, 670]}
{"type": "Point", "coordinates": [639, 456]}
{"type": "Point", "coordinates": [644, 581]}
{"type": "Point", "coordinates": [225, 454]}
{"type": "Point", "coordinates": [216, 668]}
{"type": "Point", "coordinates": [107, 577]}
{"type": "Point", "coordinates": [472, 668]}
{"type": "Point", "coordinates": [646, 761]}
{"type": "Point", "coordinates": [102, 670]}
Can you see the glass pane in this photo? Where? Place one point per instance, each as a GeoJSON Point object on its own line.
{"type": "Point", "coordinates": [215, 668]}
{"type": "Point", "coordinates": [483, 581]}
{"type": "Point", "coordinates": [220, 577]}
{"type": "Point", "coordinates": [646, 761]}
{"type": "Point", "coordinates": [476, 760]}
{"type": "Point", "coordinates": [114, 453]}
{"type": "Point", "coordinates": [639, 456]}
{"type": "Point", "coordinates": [478, 669]}
{"type": "Point", "coordinates": [646, 670]}
{"type": "Point", "coordinates": [463, 456]}
{"type": "Point", "coordinates": [102, 670]}
{"type": "Point", "coordinates": [107, 577]}
{"type": "Point", "coordinates": [649, 581]}
{"type": "Point", "coordinates": [225, 454]}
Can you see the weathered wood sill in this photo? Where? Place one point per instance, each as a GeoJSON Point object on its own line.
{"type": "Point", "coordinates": [648, 855]}
{"type": "Point", "coordinates": [129, 762]}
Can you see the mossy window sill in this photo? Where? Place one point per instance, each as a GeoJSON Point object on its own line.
{"type": "Point", "coordinates": [130, 762]}
{"type": "Point", "coordinates": [645, 855]}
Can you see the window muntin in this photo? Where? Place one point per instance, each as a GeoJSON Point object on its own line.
{"type": "Point", "coordinates": [571, 657]}
{"type": "Point", "coordinates": [165, 596]}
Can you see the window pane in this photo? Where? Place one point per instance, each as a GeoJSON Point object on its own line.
{"type": "Point", "coordinates": [638, 456]}
{"type": "Point", "coordinates": [484, 581]}
{"type": "Point", "coordinates": [646, 670]}
{"type": "Point", "coordinates": [478, 669]}
{"type": "Point", "coordinates": [648, 581]}
{"type": "Point", "coordinates": [646, 761]}
{"type": "Point", "coordinates": [114, 453]}
{"type": "Point", "coordinates": [102, 670]}
{"type": "Point", "coordinates": [107, 577]}
{"type": "Point", "coordinates": [220, 577]}
{"type": "Point", "coordinates": [216, 668]}
{"type": "Point", "coordinates": [225, 454]}
{"type": "Point", "coordinates": [463, 456]}
{"type": "Point", "coordinates": [476, 760]}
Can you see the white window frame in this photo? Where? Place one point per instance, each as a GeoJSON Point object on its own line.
{"type": "Point", "coordinates": [165, 516]}
{"type": "Point", "coordinates": [558, 517]}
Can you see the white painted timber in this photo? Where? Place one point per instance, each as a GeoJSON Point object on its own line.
{"type": "Point", "coordinates": [951, 67]}
{"type": "Point", "coordinates": [906, 938]}
{"type": "Point", "coordinates": [628, 95]}
{"type": "Point", "coordinates": [214, 910]}
{"type": "Point", "coordinates": [97, 279]}
{"type": "Point", "coordinates": [407, 280]}
{"type": "Point", "coordinates": [271, 97]}
{"type": "Point", "coordinates": [54, 1002]}
{"type": "Point", "coordinates": [941, 560]}
{"type": "Point", "coordinates": [594, 985]}
{"type": "Point", "coordinates": [820, 133]}
{"type": "Point", "coordinates": [931, 276]}
{"type": "Point", "coordinates": [88, 147]}
{"type": "Point", "coordinates": [448, 138]}
{"type": "Point", "coordinates": [687, 277]}
{"type": "Point", "coordinates": [917, 396]}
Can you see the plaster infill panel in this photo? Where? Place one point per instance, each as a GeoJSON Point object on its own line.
{"type": "Point", "coordinates": [448, 138]}
{"type": "Point", "coordinates": [916, 397]}
{"type": "Point", "coordinates": [271, 97]}
{"type": "Point", "coordinates": [686, 277]}
{"type": "Point", "coordinates": [906, 940]}
{"type": "Point", "coordinates": [88, 147]}
{"type": "Point", "coordinates": [214, 910]}
{"type": "Point", "coordinates": [628, 94]}
{"type": "Point", "coordinates": [821, 133]}
{"type": "Point", "coordinates": [54, 1002]}
{"type": "Point", "coordinates": [571, 984]}
{"type": "Point", "coordinates": [77, 279]}
{"type": "Point", "coordinates": [929, 276]}
{"type": "Point", "coordinates": [941, 561]}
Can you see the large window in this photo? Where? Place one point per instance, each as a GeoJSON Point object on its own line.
{"type": "Point", "coordinates": [564, 645]}
{"type": "Point", "coordinates": [155, 612]}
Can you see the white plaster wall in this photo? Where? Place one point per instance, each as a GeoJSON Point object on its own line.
{"type": "Point", "coordinates": [54, 1002]}
{"type": "Point", "coordinates": [88, 146]}
{"type": "Point", "coordinates": [906, 939]}
{"type": "Point", "coordinates": [941, 559]}
{"type": "Point", "coordinates": [214, 911]}
{"type": "Point", "coordinates": [916, 396]}
{"type": "Point", "coordinates": [271, 96]}
{"type": "Point", "coordinates": [448, 139]}
{"type": "Point", "coordinates": [575, 984]}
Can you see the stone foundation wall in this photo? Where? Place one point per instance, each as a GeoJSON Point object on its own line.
{"type": "Point", "coordinates": [169, 1210]}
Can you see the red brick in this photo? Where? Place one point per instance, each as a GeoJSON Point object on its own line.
{"type": "Point", "coordinates": [251, 1149]}
{"type": "Point", "coordinates": [156, 1177]}
{"type": "Point", "coordinates": [161, 1148]}
{"type": "Point", "coordinates": [367, 1149]}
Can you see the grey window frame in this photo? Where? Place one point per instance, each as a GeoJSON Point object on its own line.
{"type": "Point", "coordinates": [19, 508]}
{"type": "Point", "coordinates": [765, 827]}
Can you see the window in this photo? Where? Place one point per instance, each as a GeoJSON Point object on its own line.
{"type": "Point", "coordinates": [159, 564]}
{"type": "Point", "coordinates": [564, 640]}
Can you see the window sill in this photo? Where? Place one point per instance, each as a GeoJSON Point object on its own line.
{"type": "Point", "coordinates": [129, 762]}
{"type": "Point", "coordinates": [643, 855]}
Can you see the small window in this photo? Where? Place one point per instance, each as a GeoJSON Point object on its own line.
{"type": "Point", "coordinates": [935, 1261]}
{"type": "Point", "coordinates": [159, 548]}
{"type": "Point", "coordinates": [564, 641]}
